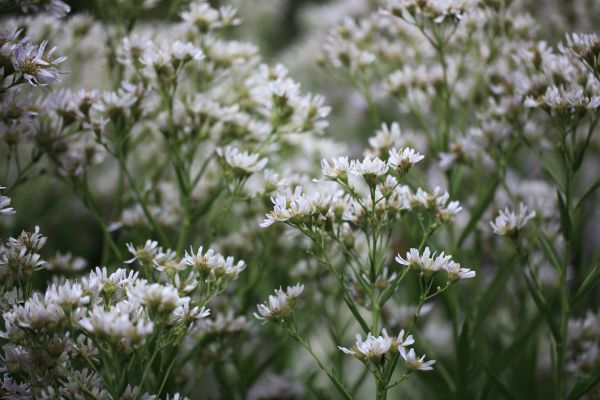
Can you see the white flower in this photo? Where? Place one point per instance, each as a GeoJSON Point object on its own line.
{"type": "Point", "coordinates": [242, 164]}
{"type": "Point", "coordinates": [338, 169]}
{"type": "Point", "coordinates": [66, 263]}
{"type": "Point", "coordinates": [213, 265]}
{"type": "Point", "coordinates": [402, 161]}
{"type": "Point", "coordinates": [123, 321]}
{"type": "Point", "coordinates": [143, 254]}
{"type": "Point", "coordinates": [437, 202]}
{"type": "Point", "coordinates": [426, 262]}
{"type": "Point", "coordinates": [373, 348]}
{"type": "Point", "coordinates": [414, 363]}
{"type": "Point", "coordinates": [370, 168]}
{"type": "Point", "coordinates": [202, 15]}
{"type": "Point", "coordinates": [184, 52]}
{"type": "Point", "coordinates": [456, 272]}
{"type": "Point", "coordinates": [37, 65]}
{"type": "Point", "coordinates": [5, 203]}
{"type": "Point", "coordinates": [281, 305]}
{"type": "Point", "coordinates": [162, 298]}
{"type": "Point", "coordinates": [509, 222]}
{"type": "Point", "coordinates": [293, 207]}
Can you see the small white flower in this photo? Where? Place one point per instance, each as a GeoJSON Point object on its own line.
{"type": "Point", "coordinates": [414, 363]}
{"type": "Point", "coordinates": [143, 254]}
{"type": "Point", "coordinates": [338, 169]}
{"type": "Point", "coordinates": [509, 222]}
{"type": "Point", "coordinates": [426, 262]}
{"type": "Point", "coordinates": [4, 204]}
{"type": "Point", "coordinates": [402, 161]}
{"type": "Point", "coordinates": [281, 305]}
{"type": "Point", "coordinates": [213, 265]}
{"type": "Point", "coordinates": [242, 164]}
{"type": "Point", "coordinates": [370, 169]}
{"type": "Point", "coordinates": [292, 207]}
{"type": "Point", "coordinates": [373, 348]}
{"type": "Point", "coordinates": [456, 272]}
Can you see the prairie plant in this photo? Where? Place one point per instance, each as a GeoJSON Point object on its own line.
{"type": "Point", "coordinates": [445, 246]}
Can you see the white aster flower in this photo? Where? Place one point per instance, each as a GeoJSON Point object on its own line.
{"type": "Point", "coordinates": [456, 272]}
{"type": "Point", "coordinates": [242, 164]}
{"type": "Point", "coordinates": [509, 223]}
{"type": "Point", "coordinates": [415, 363]}
{"type": "Point", "coordinates": [402, 161]}
{"type": "Point", "coordinates": [372, 347]}
{"type": "Point", "coordinates": [5, 208]}
{"type": "Point", "coordinates": [143, 254]}
{"type": "Point", "coordinates": [281, 305]}
{"type": "Point", "coordinates": [371, 169]}
{"type": "Point", "coordinates": [426, 262]}
{"type": "Point", "coordinates": [338, 169]}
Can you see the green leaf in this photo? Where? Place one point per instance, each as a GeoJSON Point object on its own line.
{"type": "Point", "coordinates": [590, 280]}
{"type": "Point", "coordinates": [503, 390]}
{"type": "Point", "coordinates": [478, 210]}
{"type": "Point", "coordinates": [508, 354]}
{"type": "Point", "coordinates": [565, 218]}
{"type": "Point", "coordinates": [548, 247]}
{"type": "Point", "coordinates": [464, 360]}
{"type": "Point", "coordinates": [356, 313]}
{"type": "Point", "coordinates": [540, 302]}
{"type": "Point", "coordinates": [588, 192]}
{"type": "Point", "coordinates": [490, 295]}
{"type": "Point", "coordinates": [585, 383]}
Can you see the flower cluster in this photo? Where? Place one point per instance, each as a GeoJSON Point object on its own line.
{"type": "Point", "coordinates": [281, 305]}
{"type": "Point", "coordinates": [429, 263]}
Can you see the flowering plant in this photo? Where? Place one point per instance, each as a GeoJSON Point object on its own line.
{"type": "Point", "coordinates": [199, 225]}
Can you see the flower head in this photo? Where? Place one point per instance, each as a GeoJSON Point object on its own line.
{"type": "Point", "coordinates": [281, 305]}
{"type": "Point", "coordinates": [508, 223]}
{"type": "Point", "coordinates": [415, 363]}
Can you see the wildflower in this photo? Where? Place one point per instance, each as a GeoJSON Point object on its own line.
{"type": "Point", "coordinates": [184, 52]}
{"type": "Point", "coordinates": [402, 161]}
{"type": "Point", "coordinates": [508, 223]}
{"type": "Point", "coordinates": [337, 170]}
{"type": "Point", "coordinates": [213, 265]}
{"type": "Point", "coordinates": [143, 254]}
{"type": "Point", "coordinates": [456, 272]}
{"type": "Point", "coordinates": [375, 348]}
{"type": "Point", "coordinates": [437, 202]}
{"type": "Point", "coordinates": [384, 139]}
{"type": "Point", "coordinates": [123, 321]}
{"type": "Point", "coordinates": [225, 324]}
{"type": "Point", "coordinates": [157, 297]}
{"type": "Point", "coordinates": [584, 46]}
{"type": "Point", "coordinates": [56, 7]}
{"type": "Point", "coordinates": [202, 15]}
{"type": "Point", "coordinates": [37, 66]}
{"type": "Point", "coordinates": [372, 348]}
{"type": "Point", "coordinates": [413, 363]}
{"type": "Point", "coordinates": [564, 102]}
{"type": "Point", "coordinates": [292, 208]}
{"type": "Point", "coordinates": [281, 305]}
{"type": "Point", "coordinates": [242, 164]}
{"type": "Point", "coordinates": [427, 262]}
{"type": "Point", "coordinates": [370, 168]}
{"type": "Point", "coordinates": [436, 10]}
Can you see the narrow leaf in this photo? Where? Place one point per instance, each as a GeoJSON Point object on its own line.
{"type": "Point", "coordinates": [548, 248]}
{"type": "Point", "coordinates": [565, 218]}
{"type": "Point", "coordinates": [585, 383]}
{"type": "Point", "coordinates": [588, 192]}
{"type": "Point", "coordinates": [542, 305]}
{"type": "Point", "coordinates": [500, 386]}
{"type": "Point", "coordinates": [478, 210]}
{"type": "Point", "coordinates": [590, 280]}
